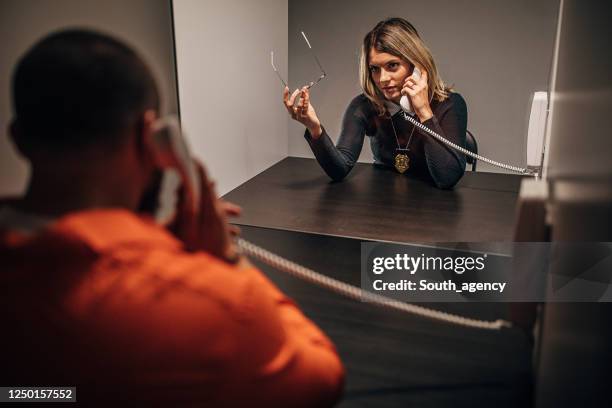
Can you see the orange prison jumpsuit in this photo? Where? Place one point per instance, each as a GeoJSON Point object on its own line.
{"type": "Point", "coordinates": [108, 301]}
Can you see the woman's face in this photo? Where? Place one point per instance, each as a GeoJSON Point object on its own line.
{"type": "Point", "coordinates": [388, 73]}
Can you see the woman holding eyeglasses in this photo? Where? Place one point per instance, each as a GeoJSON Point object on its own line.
{"type": "Point", "coordinates": [389, 55]}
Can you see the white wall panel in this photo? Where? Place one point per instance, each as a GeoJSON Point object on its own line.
{"type": "Point", "coordinates": [230, 99]}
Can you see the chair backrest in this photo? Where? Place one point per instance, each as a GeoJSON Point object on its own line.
{"type": "Point", "coordinates": [472, 146]}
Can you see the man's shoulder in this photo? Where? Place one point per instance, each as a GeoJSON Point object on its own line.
{"type": "Point", "coordinates": [123, 247]}
{"type": "Point", "coordinates": [140, 269]}
{"type": "Point", "coordinates": [103, 229]}
{"type": "Point", "coordinates": [144, 291]}
{"type": "Point", "coordinates": [138, 245]}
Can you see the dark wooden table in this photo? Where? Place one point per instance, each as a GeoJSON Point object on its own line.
{"type": "Point", "coordinates": [393, 359]}
{"type": "Point", "coordinates": [379, 204]}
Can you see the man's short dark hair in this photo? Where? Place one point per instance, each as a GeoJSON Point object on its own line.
{"type": "Point", "coordinates": [76, 88]}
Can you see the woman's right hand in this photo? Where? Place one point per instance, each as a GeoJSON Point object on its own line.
{"type": "Point", "coordinates": [303, 111]}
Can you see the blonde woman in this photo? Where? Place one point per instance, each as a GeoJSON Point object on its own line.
{"type": "Point", "coordinates": [389, 55]}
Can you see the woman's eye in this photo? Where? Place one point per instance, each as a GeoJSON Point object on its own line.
{"type": "Point", "coordinates": [393, 65]}
{"type": "Point", "coordinates": [374, 69]}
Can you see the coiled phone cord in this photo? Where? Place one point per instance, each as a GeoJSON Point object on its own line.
{"type": "Point", "coordinates": [356, 293]}
{"type": "Point", "coordinates": [521, 170]}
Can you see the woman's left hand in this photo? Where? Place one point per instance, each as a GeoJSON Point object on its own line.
{"type": "Point", "coordinates": [418, 92]}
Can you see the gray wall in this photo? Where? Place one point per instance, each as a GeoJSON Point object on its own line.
{"type": "Point", "coordinates": [145, 24]}
{"type": "Point", "coordinates": [230, 101]}
{"type": "Point", "coordinates": [574, 363]}
{"type": "Point", "coordinates": [495, 52]}
{"type": "Point", "coordinates": [580, 142]}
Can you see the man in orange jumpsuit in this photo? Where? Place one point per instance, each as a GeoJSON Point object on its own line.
{"type": "Point", "coordinates": [95, 294]}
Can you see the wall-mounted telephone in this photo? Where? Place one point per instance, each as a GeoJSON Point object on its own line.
{"type": "Point", "coordinates": [173, 152]}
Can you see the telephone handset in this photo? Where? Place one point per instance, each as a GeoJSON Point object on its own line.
{"type": "Point", "coordinates": [405, 100]}
{"type": "Point", "coordinates": [173, 152]}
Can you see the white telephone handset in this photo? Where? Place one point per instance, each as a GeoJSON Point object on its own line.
{"type": "Point", "coordinates": [173, 152]}
{"type": "Point", "coordinates": [405, 100]}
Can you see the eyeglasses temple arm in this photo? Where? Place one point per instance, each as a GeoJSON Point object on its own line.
{"type": "Point", "coordinates": [313, 54]}
{"type": "Point", "coordinates": [276, 70]}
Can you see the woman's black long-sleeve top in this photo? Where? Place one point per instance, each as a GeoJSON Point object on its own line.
{"type": "Point", "coordinates": [429, 158]}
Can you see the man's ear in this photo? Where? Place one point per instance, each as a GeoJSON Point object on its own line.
{"type": "Point", "coordinates": [145, 140]}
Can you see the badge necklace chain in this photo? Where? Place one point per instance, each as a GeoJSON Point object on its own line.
{"type": "Point", "coordinates": [402, 161]}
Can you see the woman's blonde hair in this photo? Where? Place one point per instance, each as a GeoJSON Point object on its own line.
{"type": "Point", "coordinates": [398, 37]}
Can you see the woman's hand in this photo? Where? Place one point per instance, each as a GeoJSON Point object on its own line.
{"type": "Point", "coordinates": [303, 111]}
{"type": "Point", "coordinates": [418, 92]}
{"type": "Point", "coordinates": [206, 228]}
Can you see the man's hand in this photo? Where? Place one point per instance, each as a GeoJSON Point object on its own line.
{"type": "Point", "coordinates": [206, 228]}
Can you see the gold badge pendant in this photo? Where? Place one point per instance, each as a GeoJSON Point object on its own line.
{"type": "Point", "coordinates": [402, 162]}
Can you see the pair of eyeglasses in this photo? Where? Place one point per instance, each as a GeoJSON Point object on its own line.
{"type": "Point", "coordinates": [311, 83]}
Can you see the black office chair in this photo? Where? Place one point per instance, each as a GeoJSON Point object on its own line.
{"type": "Point", "coordinates": [472, 146]}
